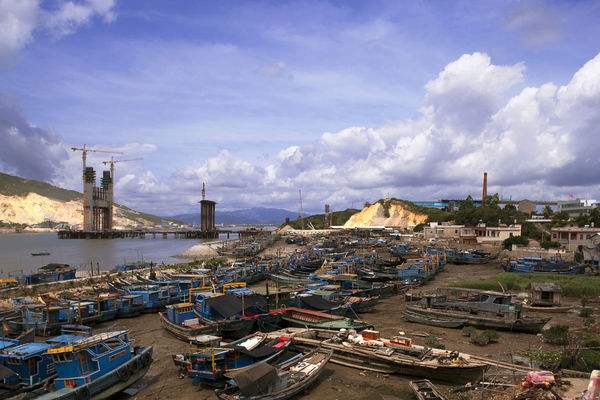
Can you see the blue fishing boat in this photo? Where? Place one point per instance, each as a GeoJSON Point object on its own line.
{"type": "Point", "coordinates": [132, 266]}
{"type": "Point", "coordinates": [208, 366]}
{"type": "Point", "coordinates": [26, 367]}
{"type": "Point", "coordinates": [154, 297]}
{"type": "Point", "coordinates": [108, 306]}
{"type": "Point", "coordinates": [181, 321]}
{"type": "Point", "coordinates": [538, 264]}
{"type": "Point", "coordinates": [96, 367]}
{"type": "Point", "coordinates": [44, 319]}
{"type": "Point", "coordinates": [130, 305]}
{"type": "Point", "coordinates": [48, 273]}
{"type": "Point", "coordinates": [238, 312]}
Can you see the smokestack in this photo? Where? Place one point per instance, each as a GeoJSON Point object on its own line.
{"type": "Point", "coordinates": [484, 193]}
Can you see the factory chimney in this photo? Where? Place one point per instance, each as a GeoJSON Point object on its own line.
{"type": "Point", "coordinates": [484, 193]}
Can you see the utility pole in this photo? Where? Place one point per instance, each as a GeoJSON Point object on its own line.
{"type": "Point", "coordinates": [301, 211]}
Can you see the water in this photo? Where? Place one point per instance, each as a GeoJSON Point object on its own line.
{"type": "Point", "coordinates": [16, 249]}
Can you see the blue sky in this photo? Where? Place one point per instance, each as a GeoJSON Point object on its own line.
{"type": "Point", "coordinates": [268, 90]}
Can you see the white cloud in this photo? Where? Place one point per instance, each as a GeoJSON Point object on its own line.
{"type": "Point", "coordinates": [72, 15]}
{"type": "Point", "coordinates": [20, 19]}
{"type": "Point", "coordinates": [539, 143]}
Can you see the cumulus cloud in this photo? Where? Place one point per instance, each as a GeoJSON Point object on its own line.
{"type": "Point", "coordinates": [535, 142]}
{"type": "Point", "coordinates": [20, 19]}
{"type": "Point", "coordinates": [25, 149]}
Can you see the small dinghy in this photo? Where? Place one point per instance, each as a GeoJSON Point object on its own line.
{"type": "Point", "coordinates": [425, 390]}
{"type": "Point", "coordinates": [266, 382]}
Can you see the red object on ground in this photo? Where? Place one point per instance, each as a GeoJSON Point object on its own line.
{"type": "Point", "coordinates": [539, 379]}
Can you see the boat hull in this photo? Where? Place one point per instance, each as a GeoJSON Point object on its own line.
{"type": "Point", "coordinates": [529, 325]}
{"type": "Point", "coordinates": [186, 333]}
{"type": "Point", "coordinates": [109, 384]}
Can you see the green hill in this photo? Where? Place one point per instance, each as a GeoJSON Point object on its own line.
{"type": "Point", "coordinates": [14, 186]}
{"type": "Point", "coordinates": [318, 220]}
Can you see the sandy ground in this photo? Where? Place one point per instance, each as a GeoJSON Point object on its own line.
{"type": "Point", "coordinates": [163, 381]}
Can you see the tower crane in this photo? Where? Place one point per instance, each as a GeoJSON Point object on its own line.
{"type": "Point", "coordinates": [84, 150]}
{"type": "Point", "coordinates": [112, 163]}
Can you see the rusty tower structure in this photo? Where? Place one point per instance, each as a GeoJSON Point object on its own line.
{"type": "Point", "coordinates": [97, 201]}
{"type": "Point", "coordinates": [207, 213]}
{"type": "Point", "coordinates": [484, 190]}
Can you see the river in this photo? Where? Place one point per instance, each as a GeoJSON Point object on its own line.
{"type": "Point", "coordinates": [16, 249]}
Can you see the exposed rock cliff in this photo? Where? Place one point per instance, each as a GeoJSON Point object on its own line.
{"type": "Point", "coordinates": [388, 213]}
{"type": "Point", "coordinates": [30, 203]}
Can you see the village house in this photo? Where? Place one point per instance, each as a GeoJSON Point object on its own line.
{"type": "Point", "coordinates": [571, 237]}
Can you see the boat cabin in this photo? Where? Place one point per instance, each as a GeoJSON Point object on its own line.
{"type": "Point", "coordinates": [26, 365]}
{"type": "Point", "coordinates": [181, 312]}
{"type": "Point", "coordinates": [545, 294]}
{"type": "Point", "coordinates": [473, 301]}
{"type": "Point", "coordinates": [87, 359]}
{"type": "Point", "coordinates": [153, 296]}
{"type": "Point", "coordinates": [130, 304]}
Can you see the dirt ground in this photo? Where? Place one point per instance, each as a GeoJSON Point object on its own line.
{"type": "Point", "coordinates": [338, 382]}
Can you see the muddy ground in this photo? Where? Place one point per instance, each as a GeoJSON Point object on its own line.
{"type": "Point", "coordinates": [338, 382]}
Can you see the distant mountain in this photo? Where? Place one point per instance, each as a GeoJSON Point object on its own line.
{"type": "Point", "coordinates": [29, 203]}
{"type": "Point", "coordinates": [255, 215]}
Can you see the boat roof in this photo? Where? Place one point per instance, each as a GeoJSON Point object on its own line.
{"type": "Point", "coordinates": [6, 342]}
{"type": "Point", "coordinates": [131, 296]}
{"type": "Point", "coordinates": [86, 342]}
{"type": "Point", "coordinates": [255, 379]}
{"type": "Point", "coordinates": [27, 349]}
{"type": "Point", "coordinates": [181, 305]}
{"type": "Point", "coordinates": [65, 338]}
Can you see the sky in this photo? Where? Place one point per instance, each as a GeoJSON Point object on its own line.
{"type": "Point", "coordinates": [350, 101]}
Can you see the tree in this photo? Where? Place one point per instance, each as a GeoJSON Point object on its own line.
{"type": "Point", "coordinates": [518, 240]}
{"type": "Point", "coordinates": [510, 207]}
{"type": "Point", "coordinates": [548, 211]}
{"type": "Point", "coordinates": [466, 204]}
{"type": "Point", "coordinates": [493, 200]}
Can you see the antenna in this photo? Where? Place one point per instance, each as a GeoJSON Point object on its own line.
{"type": "Point", "coordinates": [301, 211]}
{"type": "Point", "coordinates": [203, 191]}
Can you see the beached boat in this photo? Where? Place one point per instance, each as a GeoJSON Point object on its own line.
{"type": "Point", "coordinates": [541, 265]}
{"type": "Point", "coordinates": [433, 320]}
{"type": "Point", "coordinates": [266, 382]}
{"type": "Point", "coordinates": [208, 365]}
{"type": "Point", "coordinates": [130, 305]}
{"type": "Point", "coordinates": [368, 351]}
{"type": "Point", "coordinates": [96, 367]}
{"type": "Point", "coordinates": [181, 321]}
{"type": "Point", "coordinates": [48, 273]}
{"type": "Point", "coordinates": [303, 318]}
{"type": "Point", "coordinates": [425, 390]}
{"type": "Point", "coordinates": [482, 309]}
{"type": "Point", "coordinates": [27, 366]}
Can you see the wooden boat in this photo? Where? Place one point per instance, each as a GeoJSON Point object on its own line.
{"type": "Point", "coordinates": [551, 309]}
{"type": "Point", "coordinates": [266, 382]}
{"type": "Point", "coordinates": [26, 366]}
{"type": "Point", "coordinates": [434, 321]}
{"type": "Point", "coordinates": [181, 321]}
{"type": "Point", "coordinates": [208, 365]}
{"type": "Point", "coordinates": [96, 367]}
{"type": "Point", "coordinates": [425, 390]}
{"type": "Point", "coordinates": [483, 320]}
{"type": "Point", "coordinates": [304, 318]}
{"type": "Point", "coordinates": [396, 355]}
